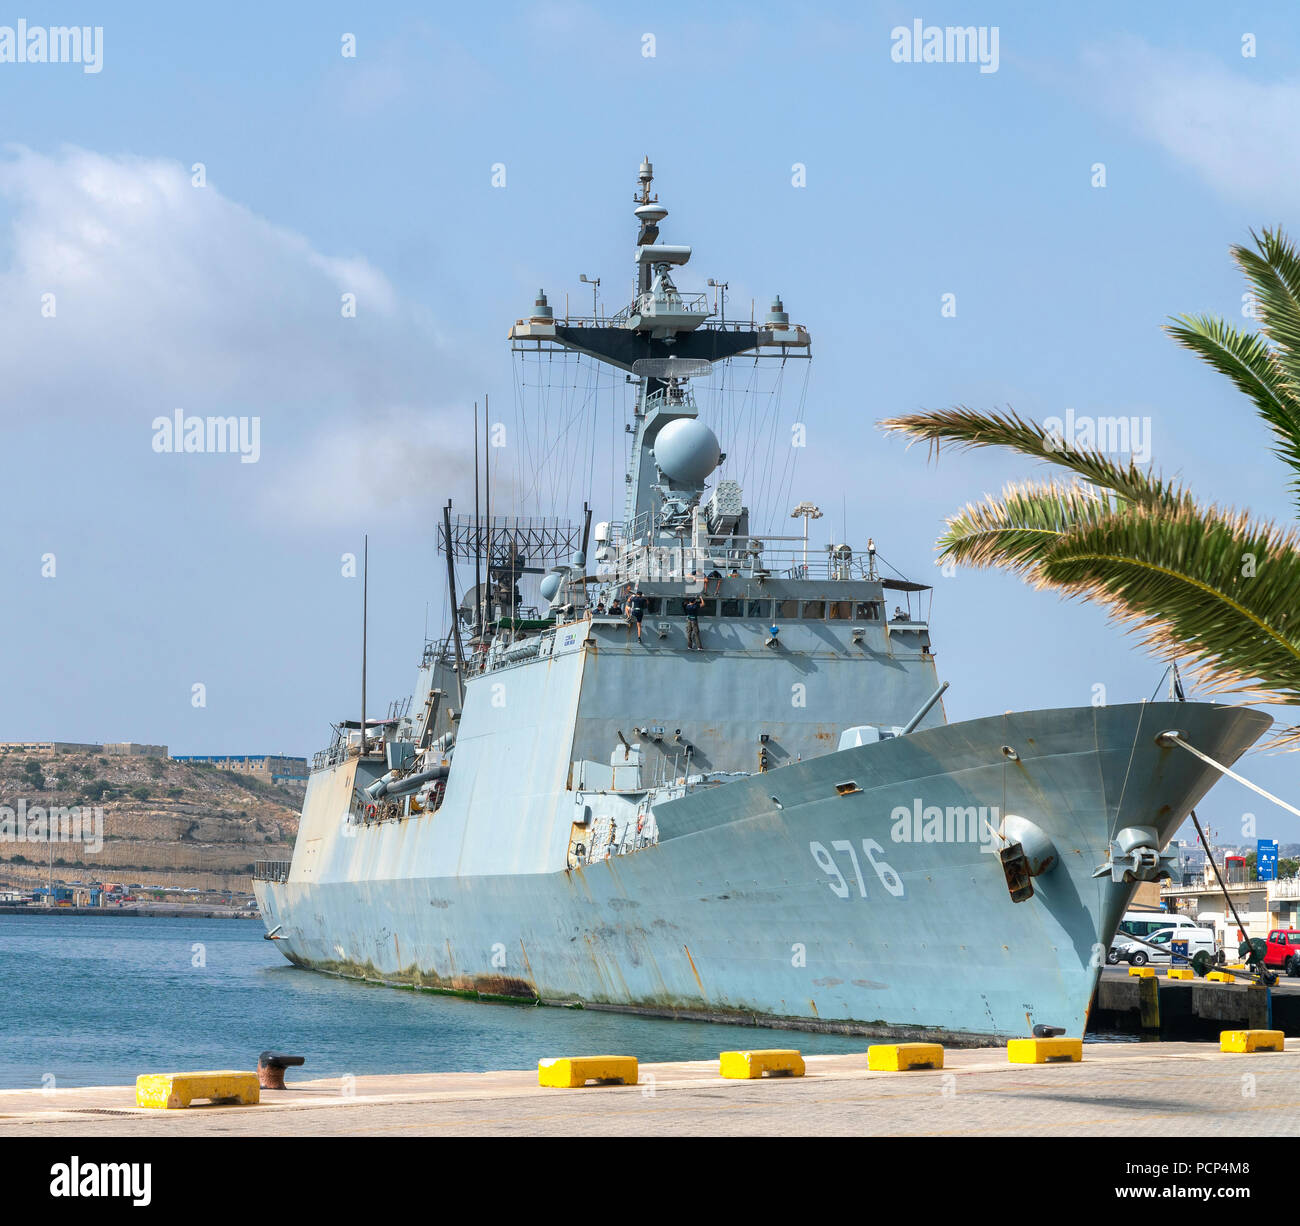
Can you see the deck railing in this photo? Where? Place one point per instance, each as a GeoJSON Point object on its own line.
{"type": "Point", "coordinates": [271, 870]}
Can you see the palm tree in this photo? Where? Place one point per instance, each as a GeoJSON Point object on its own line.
{"type": "Point", "coordinates": [1189, 578]}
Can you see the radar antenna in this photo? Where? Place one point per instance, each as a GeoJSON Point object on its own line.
{"type": "Point", "coordinates": [671, 368]}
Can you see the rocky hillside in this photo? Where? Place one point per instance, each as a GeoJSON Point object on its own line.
{"type": "Point", "coordinates": [165, 823]}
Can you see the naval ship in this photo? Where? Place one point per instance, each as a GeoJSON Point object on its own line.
{"type": "Point", "coordinates": [674, 764]}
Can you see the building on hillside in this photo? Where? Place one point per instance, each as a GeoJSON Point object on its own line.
{"type": "Point", "coordinates": [273, 768]}
{"type": "Point", "coordinates": [48, 747]}
{"type": "Point", "coordinates": [116, 748]}
{"type": "Point", "coordinates": [133, 750]}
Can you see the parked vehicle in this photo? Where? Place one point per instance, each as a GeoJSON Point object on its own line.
{"type": "Point", "coordinates": [1282, 950]}
{"type": "Point", "coordinates": [1142, 924]}
{"type": "Point", "coordinates": [1157, 947]}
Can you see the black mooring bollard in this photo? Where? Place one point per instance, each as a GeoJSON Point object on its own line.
{"type": "Point", "coordinates": [271, 1066]}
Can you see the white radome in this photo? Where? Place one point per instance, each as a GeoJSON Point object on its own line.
{"type": "Point", "coordinates": [687, 451]}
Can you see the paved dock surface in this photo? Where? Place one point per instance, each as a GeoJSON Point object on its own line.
{"type": "Point", "coordinates": [1120, 1089]}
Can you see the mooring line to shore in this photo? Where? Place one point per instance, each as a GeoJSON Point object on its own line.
{"type": "Point", "coordinates": [1176, 738]}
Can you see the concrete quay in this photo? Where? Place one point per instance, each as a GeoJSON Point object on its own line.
{"type": "Point", "coordinates": [1190, 1009]}
{"type": "Point", "coordinates": [1119, 1089]}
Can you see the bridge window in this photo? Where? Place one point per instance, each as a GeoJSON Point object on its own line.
{"type": "Point", "coordinates": [787, 609]}
{"type": "Point", "coordinates": [839, 610]}
{"type": "Point", "coordinates": [761, 609]}
{"type": "Point", "coordinates": [866, 611]}
{"type": "Point", "coordinates": [732, 608]}
{"type": "Point", "coordinates": [814, 610]}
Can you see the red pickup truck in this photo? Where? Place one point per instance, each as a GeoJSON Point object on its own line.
{"type": "Point", "coordinates": [1283, 951]}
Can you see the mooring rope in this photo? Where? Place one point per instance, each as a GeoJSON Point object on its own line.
{"type": "Point", "coordinates": [1177, 739]}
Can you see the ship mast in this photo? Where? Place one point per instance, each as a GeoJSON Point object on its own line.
{"type": "Point", "coordinates": [663, 338]}
{"type": "Point", "coordinates": [365, 601]}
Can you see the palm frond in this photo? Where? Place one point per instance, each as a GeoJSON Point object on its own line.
{"type": "Point", "coordinates": [1202, 581]}
{"type": "Point", "coordinates": [967, 428]}
{"type": "Point", "coordinates": [1273, 270]}
{"type": "Point", "coordinates": [1018, 530]}
{"type": "Point", "coordinates": [1248, 361]}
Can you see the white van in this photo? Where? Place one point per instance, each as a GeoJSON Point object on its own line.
{"type": "Point", "coordinates": [1143, 924]}
{"type": "Point", "coordinates": [1157, 947]}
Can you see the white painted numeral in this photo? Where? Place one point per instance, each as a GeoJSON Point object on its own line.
{"type": "Point", "coordinates": [888, 878]}
{"type": "Point", "coordinates": [845, 845]}
{"type": "Point", "coordinates": [839, 885]}
{"type": "Point", "coordinates": [827, 865]}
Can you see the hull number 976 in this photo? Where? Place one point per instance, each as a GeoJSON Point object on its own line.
{"type": "Point", "coordinates": [841, 886]}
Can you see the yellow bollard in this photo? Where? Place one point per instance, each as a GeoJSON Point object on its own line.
{"type": "Point", "coordinates": [1252, 1040]}
{"type": "Point", "coordinates": [745, 1065]}
{"type": "Point", "coordinates": [570, 1072]}
{"type": "Point", "coordinates": [171, 1091]}
{"type": "Point", "coordinates": [899, 1057]}
{"type": "Point", "coordinates": [1043, 1051]}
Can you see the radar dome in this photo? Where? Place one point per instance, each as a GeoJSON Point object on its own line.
{"type": "Point", "coordinates": [550, 585]}
{"type": "Point", "coordinates": [687, 451]}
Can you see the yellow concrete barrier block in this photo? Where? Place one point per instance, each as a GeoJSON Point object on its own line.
{"type": "Point", "coordinates": [168, 1091]}
{"type": "Point", "coordinates": [1180, 972]}
{"type": "Point", "coordinates": [898, 1057]}
{"type": "Point", "coordinates": [569, 1072]}
{"type": "Point", "coordinates": [745, 1064]}
{"type": "Point", "coordinates": [1220, 977]}
{"type": "Point", "coordinates": [1251, 1040]}
{"type": "Point", "coordinates": [1040, 1051]}
{"type": "Point", "coordinates": [1142, 972]}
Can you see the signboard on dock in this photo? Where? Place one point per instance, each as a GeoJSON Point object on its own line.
{"type": "Point", "coordinates": [1266, 859]}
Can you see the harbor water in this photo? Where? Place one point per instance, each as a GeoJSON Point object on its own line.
{"type": "Point", "coordinates": [99, 1000]}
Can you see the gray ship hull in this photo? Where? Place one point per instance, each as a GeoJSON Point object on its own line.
{"type": "Point", "coordinates": [820, 894]}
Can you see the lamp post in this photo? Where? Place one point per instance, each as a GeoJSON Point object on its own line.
{"type": "Point", "coordinates": [722, 287]}
{"type": "Point", "coordinates": [808, 511]}
{"type": "Point", "coordinates": [595, 285]}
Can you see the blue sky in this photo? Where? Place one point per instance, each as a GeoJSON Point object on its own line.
{"type": "Point", "coordinates": [373, 175]}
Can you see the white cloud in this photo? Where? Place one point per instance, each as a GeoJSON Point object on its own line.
{"type": "Point", "coordinates": [172, 296]}
{"type": "Point", "coordinates": [1239, 133]}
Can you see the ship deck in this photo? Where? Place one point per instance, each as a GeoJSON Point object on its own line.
{"type": "Point", "coordinates": [1119, 1089]}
